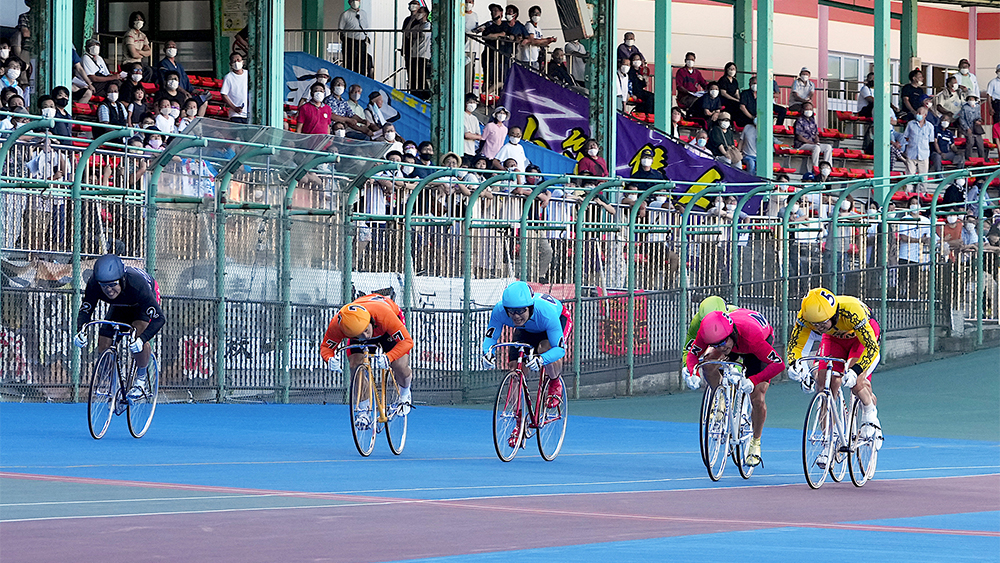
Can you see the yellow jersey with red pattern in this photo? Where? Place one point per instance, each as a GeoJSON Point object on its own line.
{"type": "Point", "coordinates": [852, 321]}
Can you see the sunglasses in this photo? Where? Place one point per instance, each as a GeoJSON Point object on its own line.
{"type": "Point", "coordinates": [518, 311]}
{"type": "Point", "coordinates": [109, 285]}
{"type": "Point", "coordinates": [721, 343]}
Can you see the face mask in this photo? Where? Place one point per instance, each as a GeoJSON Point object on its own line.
{"type": "Point", "coordinates": [636, 64]}
{"type": "Point", "coordinates": [753, 87]}
{"type": "Point", "coordinates": [731, 72]}
{"type": "Point", "coordinates": [355, 4]}
{"type": "Point", "coordinates": [951, 219]}
{"type": "Point", "coordinates": [804, 77]}
{"type": "Point", "coordinates": [971, 227]}
{"type": "Point", "coordinates": [238, 65]}
{"type": "Point", "coordinates": [953, 87]}
{"type": "Point", "coordinates": [338, 90]}
{"type": "Point", "coordinates": [702, 142]}
{"type": "Point", "coordinates": [623, 69]}
{"type": "Point", "coordinates": [808, 113]}
{"type": "Point", "coordinates": [172, 84]}
{"type": "Point", "coordinates": [410, 151]}
{"type": "Point", "coordinates": [317, 97]}
{"type": "Point", "coordinates": [914, 208]}
{"type": "Point", "coordinates": [919, 117]}
{"type": "Point", "coordinates": [872, 211]}
{"type": "Point", "coordinates": [171, 52]}
{"type": "Point", "coordinates": [973, 104]}
{"type": "Point", "coordinates": [136, 77]}
{"type": "Point", "coordinates": [138, 25]}
{"type": "Point", "coordinates": [501, 117]}
{"type": "Point", "coordinates": [4, 53]}
{"type": "Point", "coordinates": [845, 206]}
{"type": "Point", "coordinates": [646, 161]}
{"type": "Point", "coordinates": [713, 93]}
{"type": "Point", "coordinates": [824, 171]}
{"type": "Point", "coordinates": [964, 70]}
{"type": "Point", "coordinates": [960, 182]}
{"type": "Point", "coordinates": [536, 19]}
{"type": "Point", "coordinates": [512, 169]}
{"type": "Point", "coordinates": [724, 124]}
{"type": "Point", "coordinates": [62, 102]}
{"type": "Point", "coordinates": [510, 17]}
{"type": "Point", "coordinates": [592, 152]}
{"type": "Point", "coordinates": [918, 83]}
{"type": "Point", "coordinates": [95, 50]}
{"type": "Point", "coordinates": [390, 136]}
{"type": "Point", "coordinates": [155, 143]}
{"type": "Point", "coordinates": [426, 156]}
{"type": "Point", "coordinates": [13, 74]}
{"type": "Point", "coordinates": [406, 169]}
{"type": "Point", "coordinates": [175, 112]}
{"type": "Point", "coordinates": [795, 208]}
{"type": "Point", "coordinates": [470, 107]}
{"type": "Point", "coordinates": [165, 111]}
{"type": "Point", "coordinates": [48, 113]}
{"type": "Point", "coordinates": [112, 96]}
{"type": "Point", "coordinates": [689, 63]}
{"type": "Point", "coordinates": [944, 124]}
{"type": "Point", "coordinates": [515, 140]}
{"type": "Point", "coordinates": [355, 96]}
{"type": "Point", "coordinates": [191, 112]}
{"type": "Point", "coordinates": [413, 8]}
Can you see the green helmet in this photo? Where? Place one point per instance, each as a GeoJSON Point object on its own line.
{"type": "Point", "coordinates": [711, 303]}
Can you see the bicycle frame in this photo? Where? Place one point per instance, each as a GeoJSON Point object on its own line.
{"type": "Point", "coordinates": [121, 330]}
{"type": "Point", "coordinates": [732, 374]}
{"type": "Point", "coordinates": [533, 421]}
{"type": "Point", "coordinates": [734, 437]}
{"type": "Point", "coordinates": [840, 425]}
{"type": "Point", "coordinates": [380, 382]}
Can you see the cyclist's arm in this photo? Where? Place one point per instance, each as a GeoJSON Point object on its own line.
{"type": "Point", "coordinates": [689, 340]}
{"type": "Point", "coordinates": [770, 359]}
{"type": "Point", "coordinates": [151, 312]}
{"type": "Point", "coordinates": [87, 306]}
{"type": "Point", "coordinates": [396, 330]}
{"type": "Point", "coordinates": [697, 348]}
{"type": "Point", "coordinates": [554, 333]}
{"type": "Point", "coordinates": [494, 329]}
{"type": "Point", "coordinates": [797, 340]}
{"type": "Point", "coordinates": [866, 335]}
{"type": "Point", "coordinates": [331, 339]}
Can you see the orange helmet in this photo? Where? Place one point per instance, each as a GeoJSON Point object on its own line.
{"type": "Point", "coordinates": [353, 319]}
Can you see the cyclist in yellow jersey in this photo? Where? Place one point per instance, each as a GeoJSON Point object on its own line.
{"type": "Point", "coordinates": [848, 332]}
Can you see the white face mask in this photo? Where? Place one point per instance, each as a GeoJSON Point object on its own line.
{"type": "Point", "coordinates": [155, 143]}
{"type": "Point", "coordinates": [914, 208]}
{"type": "Point", "coordinates": [355, 96]}
{"type": "Point", "coordinates": [4, 53]}
{"type": "Point", "coordinates": [355, 4]}
{"type": "Point", "coordinates": [646, 161]}
{"type": "Point", "coordinates": [514, 140]}
{"type": "Point", "coordinates": [824, 171]}
{"type": "Point", "coordinates": [623, 69]}
{"type": "Point", "coordinates": [629, 42]}
{"type": "Point", "coordinates": [412, 151]}
{"type": "Point", "coordinates": [731, 72]}
{"type": "Point", "coordinates": [945, 124]}
{"type": "Point", "coordinates": [845, 206]}
{"type": "Point", "coordinates": [390, 136]}
{"type": "Point", "coordinates": [471, 107]}
{"type": "Point", "coordinates": [795, 208]}
{"type": "Point", "coordinates": [138, 25]}
{"type": "Point", "coordinates": [689, 63]}
{"type": "Point", "coordinates": [48, 113]}
{"type": "Point", "coordinates": [713, 93]}
{"type": "Point", "coordinates": [13, 74]}
{"type": "Point", "coordinates": [165, 111]}
{"type": "Point", "coordinates": [172, 84]}
{"type": "Point", "coordinates": [112, 96]}
{"type": "Point", "coordinates": [960, 182]}
{"type": "Point", "coordinates": [808, 113]}
{"type": "Point", "coordinates": [536, 19]}
{"type": "Point", "coordinates": [804, 77]}
{"type": "Point", "coordinates": [136, 76]}
{"type": "Point", "coordinates": [636, 64]}
{"type": "Point", "coordinates": [191, 112]}
{"type": "Point", "coordinates": [340, 133]}
{"type": "Point", "coordinates": [501, 117]}
{"type": "Point", "coordinates": [406, 169]}
{"type": "Point", "coordinates": [971, 227]}
{"type": "Point", "coordinates": [951, 219]}
{"type": "Point", "coordinates": [724, 124]}
{"type": "Point", "coordinates": [238, 65]}
{"type": "Point", "coordinates": [171, 52]}
{"type": "Point", "coordinates": [318, 97]}
{"type": "Point", "coordinates": [953, 87]}
{"type": "Point", "coordinates": [95, 50]}
{"type": "Point", "coordinates": [918, 83]}
{"type": "Point", "coordinates": [973, 104]}
{"type": "Point", "coordinates": [964, 70]}
{"type": "Point", "coordinates": [510, 17]}
{"type": "Point", "coordinates": [753, 87]}
{"type": "Point", "coordinates": [175, 112]}
{"type": "Point", "coordinates": [338, 90]}
{"type": "Point", "coordinates": [592, 152]}
{"type": "Point", "coordinates": [413, 8]}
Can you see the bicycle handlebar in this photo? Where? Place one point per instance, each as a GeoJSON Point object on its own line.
{"type": "Point", "coordinates": [829, 360]}
{"type": "Point", "coordinates": [342, 347]}
{"type": "Point", "coordinates": [734, 370]}
{"type": "Point", "coordinates": [118, 326]}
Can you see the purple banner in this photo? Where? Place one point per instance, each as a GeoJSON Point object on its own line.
{"type": "Point", "coordinates": [558, 119]}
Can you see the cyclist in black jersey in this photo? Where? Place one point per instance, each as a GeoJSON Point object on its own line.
{"type": "Point", "coordinates": [134, 298]}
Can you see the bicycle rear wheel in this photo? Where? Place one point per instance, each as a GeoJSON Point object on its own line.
{"type": "Point", "coordinates": [103, 394]}
{"type": "Point", "coordinates": [743, 434]}
{"type": "Point", "coordinates": [395, 424]}
{"type": "Point", "coordinates": [717, 433]}
{"type": "Point", "coordinates": [364, 418]}
{"type": "Point", "coordinates": [508, 417]}
{"type": "Point", "coordinates": [816, 442]}
{"type": "Point", "coordinates": [552, 425]}
{"type": "Point", "coordinates": [838, 463]}
{"type": "Point", "coordinates": [701, 424]}
{"type": "Point", "coordinates": [141, 408]}
{"type": "Point", "coordinates": [863, 456]}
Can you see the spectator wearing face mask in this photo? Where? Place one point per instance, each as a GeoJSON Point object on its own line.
{"type": "Point", "coordinates": [993, 95]}
{"type": "Point", "coordinates": [943, 148]}
{"type": "Point", "coordinates": [425, 154]}
{"type": "Point", "coordinates": [802, 91]}
{"type": "Point", "coordinates": [729, 89]}
{"type": "Point", "coordinates": [721, 141]}
{"type": "Point", "coordinates": [322, 76]}
{"type": "Point", "coordinates": [111, 111]}
{"type": "Point", "coordinates": [624, 85]}
{"type": "Point", "coordinates": [494, 134]}
{"type": "Point", "coordinates": [627, 49]}
{"type": "Point", "coordinates": [4, 50]}
{"type": "Point", "coordinates": [342, 112]}
{"type": "Point", "coordinates": [373, 115]}
{"type": "Point", "coordinates": [470, 130]}
{"type": "Point", "coordinates": [949, 99]}
{"type": "Point", "coordinates": [391, 138]}
{"type": "Point", "coordinates": [646, 171]}
{"type": "Point", "coordinates": [807, 136]}
{"type": "Point", "coordinates": [154, 140]}
{"type": "Point", "coordinates": [709, 106]}
{"type": "Point", "coordinates": [354, 26]}
{"type": "Point", "coordinates": [690, 83]}
{"type": "Point", "coordinates": [354, 101]}
{"type": "Point", "coordinates": [172, 91]}
{"type": "Point", "coordinates": [951, 235]}
{"type": "Point", "coordinates": [236, 90]}
{"type": "Point", "coordinates": [189, 112]}
{"type": "Point", "coordinates": [970, 124]}
{"type": "Point", "coordinates": [591, 162]}
{"type": "Point", "coordinates": [169, 63]}
{"type": "Point", "coordinates": [137, 46]}
{"type": "Point", "coordinates": [919, 135]}
{"type": "Point", "coordinates": [11, 74]}
{"type": "Point", "coordinates": [698, 145]}
{"type": "Point", "coordinates": [968, 84]}
{"type": "Point", "coordinates": [315, 116]}
{"type": "Point", "coordinates": [60, 100]}
{"type": "Point", "coordinates": [530, 48]}
{"type": "Point", "coordinates": [637, 87]}
{"type": "Point", "coordinates": [912, 94]}
{"type": "Point", "coordinates": [513, 150]}
{"type": "Point", "coordinates": [166, 117]}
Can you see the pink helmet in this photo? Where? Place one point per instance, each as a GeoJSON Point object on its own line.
{"type": "Point", "coordinates": [715, 327]}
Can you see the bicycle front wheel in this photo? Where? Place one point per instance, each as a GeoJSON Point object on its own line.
{"type": "Point", "coordinates": [863, 455]}
{"type": "Point", "coordinates": [717, 432]}
{"type": "Point", "coordinates": [103, 394]}
{"type": "Point", "coordinates": [701, 424]}
{"type": "Point", "coordinates": [395, 423]}
{"type": "Point", "coordinates": [743, 433]}
{"type": "Point", "coordinates": [142, 406]}
{"type": "Point", "coordinates": [838, 461]}
{"type": "Point", "coordinates": [508, 417]}
{"type": "Point", "coordinates": [552, 425]}
{"type": "Point", "coordinates": [364, 418]}
{"type": "Point", "coordinates": [817, 445]}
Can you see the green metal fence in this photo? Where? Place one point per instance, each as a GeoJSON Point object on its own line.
{"type": "Point", "coordinates": [256, 237]}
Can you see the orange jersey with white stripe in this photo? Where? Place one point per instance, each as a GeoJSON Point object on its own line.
{"type": "Point", "coordinates": [387, 318]}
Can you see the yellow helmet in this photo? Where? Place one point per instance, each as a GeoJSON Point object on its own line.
{"type": "Point", "coordinates": [353, 319]}
{"type": "Point", "coordinates": [818, 305]}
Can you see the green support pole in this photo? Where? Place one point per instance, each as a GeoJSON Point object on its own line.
{"type": "Point", "coordinates": [932, 278]}
{"type": "Point", "coordinates": [787, 229]}
{"type": "Point", "coordinates": [603, 91]}
{"type": "Point", "coordinates": [84, 16]}
{"type": "Point", "coordinates": [448, 76]}
{"type": "Point", "coordinates": [220, 44]}
{"type": "Point", "coordinates": [833, 243]}
{"type": "Point", "coordinates": [663, 79]}
{"type": "Point", "coordinates": [77, 199]}
{"type": "Point", "coordinates": [353, 190]}
{"type": "Point", "coordinates": [172, 150]}
{"type": "Point", "coordinates": [630, 286]}
{"type": "Point", "coordinates": [880, 112]}
{"type": "Point", "coordinates": [884, 245]}
{"type": "Point", "coordinates": [578, 277]}
{"type": "Point", "coordinates": [267, 62]}
{"type": "Point", "coordinates": [523, 233]}
{"type": "Point", "coordinates": [743, 35]}
{"type": "Point", "coordinates": [907, 39]}
{"type": "Point", "coordinates": [765, 79]}
{"type": "Point", "coordinates": [312, 27]}
{"type": "Point", "coordinates": [682, 304]}
{"type": "Point", "coordinates": [735, 239]}
{"type": "Point", "coordinates": [220, 263]}
{"type": "Point", "coordinates": [980, 272]}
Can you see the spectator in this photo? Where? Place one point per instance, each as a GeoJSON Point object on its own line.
{"type": "Point", "coordinates": [373, 115]}
{"type": "Point", "coordinates": [967, 82]}
{"type": "Point", "coordinates": [136, 105]}
{"type": "Point", "coordinates": [675, 120]}
{"type": "Point", "coordinates": [111, 111]}
{"type": "Point", "coordinates": [951, 235]}
{"type": "Point", "coordinates": [709, 107]}
{"type": "Point", "coordinates": [943, 147]}
{"type": "Point", "coordinates": [492, 32]}
{"type": "Point", "coordinates": [637, 86]}
{"type": "Point", "coordinates": [341, 111]}
{"type": "Point", "coordinates": [471, 28]}
{"type": "Point", "coordinates": [514, 33]}
{"type": "Point", "coordinates": [721, 141]}
{"type": "Point", "coordinates": [576, 55]}
{"type": "Point", "coordinates": [591, 163]}
{"type": "Point", "coordinates": [425, 150]}
{"type": "Point", "coordinates": [189, 113]}
{"type": "Point", "coordinates": [132, 82]}
{"type": "Point", "coordinates": [931, 118]}
{"type": "Point", "coordinates": [148, 121]}
{"type": "Point", "coordinates": [47, 108]}
{"type": "Point", "coordinates": [970, 123]}
{"type": "Point", "coordinates": [698, 146]}
{"type": "Point", "coordinates": [919, 135]}
{"type": "Point", "coordinates": [802, 91]}
{"type": "Point", "coordinates": [512, 150]}
{"type": "Point", "coordinates": [993, 95]}
{"type": "Point", "coordinates": [557, 68]}
{"type": "Point", "coordinates": [866, 97]}
{"type": "Point", "coordinates": [11, 75]}
{"type": "Point", "coordinates": [529, 50]}
{"type": "Point", "coordinates": [339, 130]}
{"type": "Point", "coordinates": [4, 50]}
{"type": "Point", "coordinates": [154, 140]}
{"type": "Point", "coordinates": [166, 120]}
{"type": "Point", "coordinates": [169, 64]}
{"type": "Point", "coordinates": [949, 99]}
{"type": "Point", "coordinates": [60, 99]}
{"type": "Point", "coordinates": [410, 148]}
{"type": "Point", "coordinates": [137, 46]}
{"type": "Point", "coordinates": [970, 236]}
{"type": "Point", "coordinates": [729, 89]}
{"type": "Point", "coordinates": [913, 234]}
{"type": "Point", "coordinates": [628, 49]}
{"type": "Point", "coordinates": [912, 94]}
{"type": "Point", "coordinates": [748, 146]}
{"type": "Point", "coordinates": [315, 116]}
{"type": "Point", "coordinates": [19, 118]}
{"type": "Point", "coordinates": [807, 136]}
{"type": "Point", "coordinates": [236, 89]}
{"type": "Point", "coordinates": [83, 88]}
{"type": "Point", "coordinates": [689, 82]}
{"type": "Point", "coordinates": [646, 172]}
{"type": "Point", "coordinates": [494, 134]}
{"type": "Point", "coordinates": [354, 101]}
{"type": "Point", "coordinates": [747, 110]}
{"type": "Point", "coordinates": [417, 53]}
{"type": "Point", "coordinates": [954, 196]}
{"type": "Point", "coordinates": [171, 89]}
{"type": "Point", "coordinates": [354, 38]}
{"type": "Point", "coordinates": [391, 138]}
{"type": "Point", "coordinates": [322, 76]}
{"type": "Point", "coordinates": [780, 111]}
{"type": "Point", "coordinates": [624, 86]}
{"type": "Point", "coordinates": [470, 130]}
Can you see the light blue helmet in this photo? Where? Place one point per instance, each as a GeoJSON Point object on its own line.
{"type": "Point", "coordinates": [517, 295]}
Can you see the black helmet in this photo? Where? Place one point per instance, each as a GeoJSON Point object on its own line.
{"type": "Point", "coordinates": [109, 268]}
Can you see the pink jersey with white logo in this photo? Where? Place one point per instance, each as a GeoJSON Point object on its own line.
{"type": "Point", "coordinates": [753, 338]}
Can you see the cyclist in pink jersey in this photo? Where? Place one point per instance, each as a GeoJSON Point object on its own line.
{"type": "Point", "coordinates": [740, 334]}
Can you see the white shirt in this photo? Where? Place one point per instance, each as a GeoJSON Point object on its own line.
{"type": "Point", "coordinates": [471, 22]}
{"type": "Point", "coordinates": [529, 53]}
{"type": "Point", "coordinates": [993, 89]}
{"type": "Point", "coordinates": [95, 66]}
{"type": "Point", "coordinates": [354, 23]}
{"type": "Point", "coordinates": [969, 82]}
{"type": "Point", "coordinates": [166, 123]}
{"type": "Point", "coordinates": [470, 124]}
{"type": "Point", "coordinates": [913, 251]}
{"type": "Point", "coordinates": [236, 87]}
{"type": "Point", "coordinates": [513, 151]}
{"type": "Point", "coordinates": [863, 96]}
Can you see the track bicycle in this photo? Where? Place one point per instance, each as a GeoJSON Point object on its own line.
{"type": "Point", "coordinates": [369, 417]}
{"type": "Point", "coordinates": [727, 422]}
{"type": "Point", "coordinates": [515, 419]}
{"type": "Point", "coordinates": [832, 443]}
{"type": "Point", "coordinates": [112, 380]}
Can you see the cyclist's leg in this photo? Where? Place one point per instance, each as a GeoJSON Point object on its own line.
{"type": "Point", "coordinates": [752, 367]}
{"type": "Point", "coordinates": [553, 370]}
{"type": "Point", "coordinates": [863, 388]}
